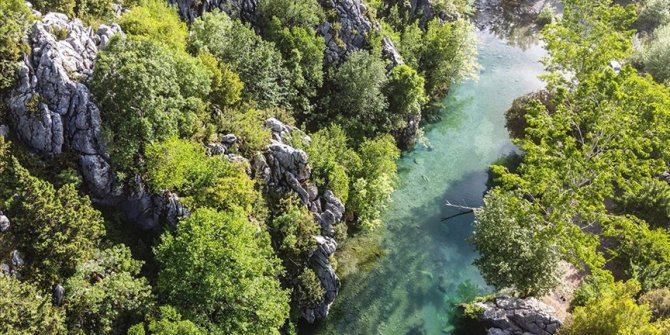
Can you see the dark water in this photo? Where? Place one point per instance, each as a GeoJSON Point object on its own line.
{"type": "Point", "coordinates": [427, 265]}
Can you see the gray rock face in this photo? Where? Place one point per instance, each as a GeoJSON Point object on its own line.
{"type": "Point", "coordinates": [514, 316]}
{"type": "Point", "coordinates": [326, 246]}
{"type": "Point", "coordinates": [51, 109]}
{"type": "Point", "coordinates": [390, 53]}
{"type": "Point", "coordinates": [242, 9]}
{"type": "Point", "coordinates": [58, 295]}
{"type": "Point", "coordinates": [286, 169]}
{"type": "Point", "coordinates": [4, 223]}
{"type": "Point", "coordinates": [354, 26]}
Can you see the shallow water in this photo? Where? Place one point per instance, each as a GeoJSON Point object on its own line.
{"type": "Point", "coordinates": [427, 266]}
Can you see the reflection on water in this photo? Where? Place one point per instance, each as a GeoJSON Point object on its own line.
{"type": "Point", "coordinates": [513, 20]}
{"type": "Point", "coordinates": [426, 267]}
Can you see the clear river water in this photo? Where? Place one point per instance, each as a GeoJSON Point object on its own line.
{"type": "Point", "coordinates": [426, 267]}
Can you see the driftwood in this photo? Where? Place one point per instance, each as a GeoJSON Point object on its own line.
{"type": "Point", "coordinates": [467, 210]}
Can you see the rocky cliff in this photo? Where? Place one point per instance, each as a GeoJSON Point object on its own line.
{"type": "Point", "coordinates": [286, 169]}
{"type": "Point", "coordinates": [242, 9]}
{"type": "Point", "coordinates": [506, 315]}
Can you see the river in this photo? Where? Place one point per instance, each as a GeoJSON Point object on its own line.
{"type": "Point", "coordinates": [426, 267]}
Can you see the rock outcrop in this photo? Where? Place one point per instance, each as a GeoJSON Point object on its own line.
{"type": "Point", "coordinates": [353, 24]}
{"type": "Point", "coordinates": [52, 112]}
{"type": "Point", "coordinates": [51, 108]}
{"type": "Point", "coordinates": [285, 169]}
{"type": "Point", "coordinates": [242, 9]}
{"type": "Point", "coordinates": [506, 315]}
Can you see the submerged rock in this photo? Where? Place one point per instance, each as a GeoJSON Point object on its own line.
{"type": "Point", "coordinates": [506, 315]}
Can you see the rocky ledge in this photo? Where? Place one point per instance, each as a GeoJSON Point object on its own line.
{"type": "Point", "coordinates": [507, 315]}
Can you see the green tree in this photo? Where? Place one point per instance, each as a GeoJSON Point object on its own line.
{"type": "Point", "coordinates": [658, 301]}
{"type": "Point", "coordinates": [374, 181]}
{"type": "Point", "coordinates": [56, 229]}
{"type": "Point", "coordinates": [24, 310]}
{"type": "Point", "coordinates": [226, 84]}
{"type": "Point", "coordinates": [16, 18]}
{"type": "Point", "coordinates": [357, 101]}
{"type": "Point", "coordinates": [653, 14]}
{"type": "Point", "coordinates": [310, 290]}
{"type": "Point", "coordinates": [158, 93]}
{"type": "Point", "coordinates": [295, 227]}
{"type": "Point", "coordinates": [183, 166]}
{"type": "Point", "coordinates": [258, 63]}
{"type": "Point", "coordinates": [516, 249]}
{"type": "Point", "coordinates": [615, 313]}
{"type": "Point", "coordinates": [170, 322]}
{"type": "Point", "coordinates": [657, 57]}
{"type": "Point", "coordinates": [449, 55]}
{"type": "Point", "coordinates": [157, 21]}
{"type": "Point", "coordinates": [106, 293]}
{"type": "Point", "coordinates": [218, 269]}
{"type": "Point", "coordinates": [406, 96]}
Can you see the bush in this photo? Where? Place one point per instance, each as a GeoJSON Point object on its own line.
{"type": "Point", "coordinates": [258, 63]}
{"type": "Point", "coordinates": [657, 57]}
{"type": "Point", "coordinates": [157, 21]}
{"type": "Point", "coordinates": [105, 294]}
{"type": "Point", "coordinates": [614, 313]}
{"type": "Point", "coordinates": [357, 101]}
{"type": "Point", "coordinates": [158, 93]}
{"type": "Point", "coordinates": [56, 229]}
{"type": "Point", "coordinates": [653, 14]}
{"type": "Point", "coordinates": [310, 290]}
{"type": "Point", "coordinates": [24, 310]}
{"type": "Point", "coordinates": [219, 271]}
{"type": "Point", "coordinates": [295, 226]}
{"type": "Point", "coordinates": [658, 301]}
{"type": "Point", "coordinates": [202, 181]}
{"type": "Point", "coordinates": [15, 17]}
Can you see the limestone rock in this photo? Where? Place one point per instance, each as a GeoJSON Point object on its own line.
{"type": "Point", "coordinates": [237, 9]}
{"type": "Point", "coordinates": [354, 24]}
{"type": "Point", "coordinates": [515, 316]}
{"type": "Point", "coordinates": [390, 53]}
{"type": "Point", "coordinates": [326, 246]}
{"type": "Point", "coordinates": [58, 295]}
{"type": "Point", "coordinates": [4, 223]}
{"type": "Point", "coordinates": [17, 258]}
{"type": "Point", "coordinates": [51, 109]}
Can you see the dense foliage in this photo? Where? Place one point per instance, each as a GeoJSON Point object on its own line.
{"type": "Point", "coordinates": [591, 188]}
{"type": "Point", "coordinates": [170, 94]}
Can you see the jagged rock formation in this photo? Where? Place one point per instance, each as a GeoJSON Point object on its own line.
{"type": "Point", "coordinates": [506, 315]}
{"type": "Point", "coordinates": [286, 169]}
{"type": "Point", "coordinates": [242, 9]}
{"type": "Point", "coordinates": [354, 26]}
{"type": "Point", "coordinates": [52, 112]}
{"type": "Point", "coordinates": [51, 109]}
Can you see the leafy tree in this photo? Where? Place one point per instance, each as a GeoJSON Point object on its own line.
{"type": "Point", "coordinates": [80, 8]}
{"type": "Point", "coordinates": [615, 313]}
{"type": "Point", "coordinates": [157, 21]}
{"type": "Point", "coordinates": [357, 101]}
{"type": "Point", "coordinates": [226, 84]}
{"type": "Point", "coordinates": [516, 249]}
{"type": "Point", "coordinates": [247, 123]}
{"type": "Point", "coordinates": [411, 44]}
{"type": "Point", "coordinates": [448, 55]}
{"type": "Point", "coordinates": [62, 6]}
{"type": "Point", "coordinates": [373, 183]}
{"type": "Point", "coordinates": [158, 93]}
{"type": "Point", "coordinates": [55, 228]}
{"type": "Point", "coordinates": [295, 226]}
{"type": "Point", "coordinates": [405, 94]}
{"type": "Point", "coordinates": [218, 270]}
{"type": "Point", "coordinates": [183, 166]}
{"type": "Point", "coordinates": [307, 13]}
{"type": "Point", "coordinates": [653, 14]}
{"type": "Point", "coordinates": [657, 57]}
{"type": "Point", "coordinates": [15, 17]}
{"type": "Point", "coordinates": [310, 290]}
{"type": "Point", "coordinates": [105, 293]}
{"type": "Point", "coordinates": [170, 322]}
{"type": "Point", "coordinates": [25, 311]}
{"type": "Point", "coordinates": [658, 301]}
{"type": "Point", "coordinates": [258, 63]}
{"type": "Point", "coordinates": [648, 200]}
{"type": "Point", "coordinates": [333, 162]}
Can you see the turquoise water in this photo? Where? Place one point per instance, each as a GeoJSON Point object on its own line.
{"type": "Point", "coordinates": [427, 265]}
